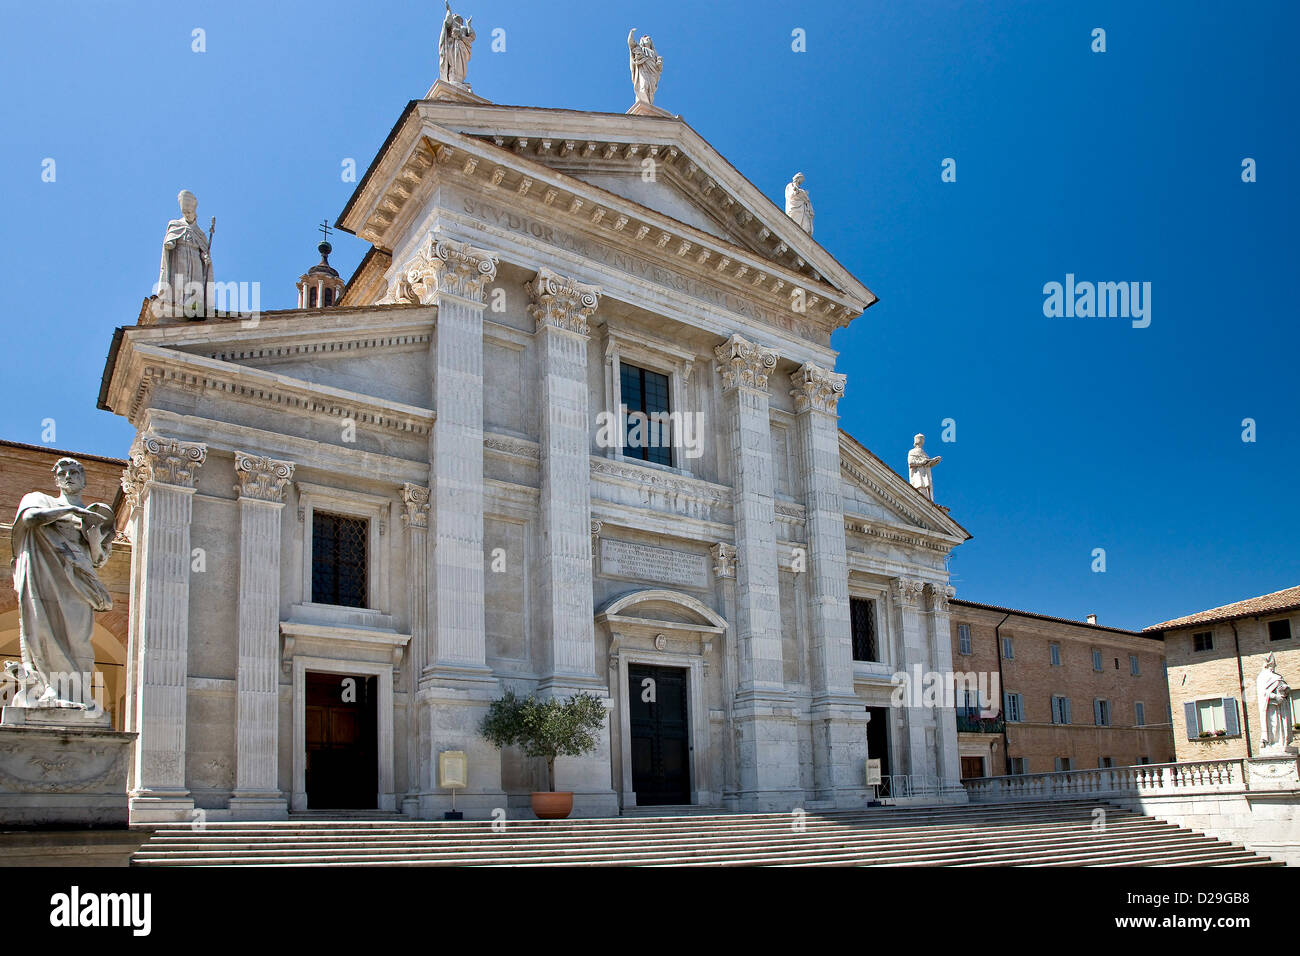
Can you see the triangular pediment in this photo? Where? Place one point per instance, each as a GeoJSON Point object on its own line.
{"type": "Point", "coordinates": [877, 498]}
{"type": "Point", "coordinates": [642, 179]}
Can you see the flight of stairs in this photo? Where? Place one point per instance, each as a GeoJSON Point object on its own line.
{"type": "Point", "coordinates": [1023, 834]}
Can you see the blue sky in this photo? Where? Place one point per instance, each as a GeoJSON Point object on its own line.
{"type": "Point", "coordinates": [1072, 434]}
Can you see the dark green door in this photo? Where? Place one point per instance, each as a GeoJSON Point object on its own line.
{"type": "Point", "coordinates": [661, 750]}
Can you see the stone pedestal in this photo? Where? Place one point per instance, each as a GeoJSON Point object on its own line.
{"type": "Point", "coordinates": [1271, 772]}
{"type": "Point", "coordinates": [61, 774]}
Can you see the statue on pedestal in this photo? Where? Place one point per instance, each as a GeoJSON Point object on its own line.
{"type": "Point", "coordinates": [919, 465]}
{"type": "Point", "coordinates": [58, 543]}
{"type": "Point", "coordinates": [454, 47]}
{"type": "Point", "coordinates": [1273, 696]}
{"type": "Point", "coordinates": [646, 65]}
{"type": "Point", "coordinates": [797, 204]}
{"type": "Point", "coordinates": [185, 276]}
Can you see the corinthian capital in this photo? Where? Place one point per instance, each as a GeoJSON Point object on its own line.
{"type": "Point", "coordinates": [416, 500]}
{"type": "Point", "coordinates": [167, 461]}
{"type": "Point", "coordinates": [261, 478]}
{"type": "Point", "coordinates": [560, 302]}
{"type": "Point", "coordinates": [909, 591]}
{"type": "Point", "coordinates": [443, 267]}
{"type": "Point", "coordinates": [744, 363]}
{"type": "Point", "coordinates": [816, 389]}
{"type": "Point", "coordinates": [939, 595]}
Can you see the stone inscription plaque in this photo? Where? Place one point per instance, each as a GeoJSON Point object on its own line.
{"type": "Point", "coordinates": [641, 562]}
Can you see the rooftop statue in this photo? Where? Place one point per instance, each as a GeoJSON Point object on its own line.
{"type": "Point", "coordinates": [797, 204]}
{"type": "Point", "coordinates": [185, 276]}
{"type": "Point", "coordinates": [647, 66]}
{"type": "Point", "coordinates": [919, 465]}
{"type": "Point", "coordinates": [454, 47]}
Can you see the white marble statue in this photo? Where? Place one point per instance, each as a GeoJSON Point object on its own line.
{"type": "Point", "coordinates": [1274, 708]}
{"type": "Point", "coordinates": [919, 465]}
{"type": "Point", "coordinates": [454, 47]}
{"type": "Point", "coordinates": [185, 276]}
{"type": "Point", "coordinates": [797, 204]}
{"type": "Point", "coordinates": [646, 64]}
{"type": "Point", "coordinates": [57, 545]}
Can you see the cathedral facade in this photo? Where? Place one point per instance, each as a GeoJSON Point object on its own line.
{"type": "Point", "coordinates": [571, 426]}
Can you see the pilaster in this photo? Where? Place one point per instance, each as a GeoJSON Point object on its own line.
{"type": "Point", "coordinates": [261, 499]}
{"type": "Point", "coordinates": [161, 477]}
{"type": "Point", "coordinates": [908, 593]}
{"type": "Point", "coordinates": [454, 684]}
{"type": "Point", "coordinates": [945, 718]}
{"type": "Point", "coordinates": [766, 719]}
{"type": "Point", "coordinates": [838, 725]}
{"type": "Point", "coordinates": [561, 307]}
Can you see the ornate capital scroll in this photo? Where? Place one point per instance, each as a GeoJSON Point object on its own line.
{"type": "Point", "coordinates": [443, 267]}
{"type": "Point", "coordinates": [416, 500]}
{"type": "Point", "coordinates": [724, 559]}
{"type": "Point", "coordinates": [560, 302]}
{"type": "Point", "coordinates": [939, 595]}
{"type": "Point", "coordinates": [744, 363]}
{"type": "Point", "coordinates": [260, 477]}
{"type": "Point", "coordinates": [816, 389]}
{"type": "Point", "coordinates": [909, 591]}
{"type": "Point", "coordinates": [168, 461]}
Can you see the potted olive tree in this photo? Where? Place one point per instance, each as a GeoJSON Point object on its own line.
{"type": "Point", "coordinates": [546, 728]}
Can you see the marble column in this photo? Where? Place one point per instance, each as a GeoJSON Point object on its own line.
{"type": "Point", "coordinates": [918, 721]}
{"type": "Point", "coordinates": [724, 585]}
{"type": "Point", "coordinates": [261, 500]}
{"type": "Point", "coordinates": [415, 518]}
{"type": "Point", "coordinates": [455, 683]}
{"type": "Point", "coordinates": [162, 474]}
{"type": "Point", "coordinates": [560, 307]}
{"type": "Point", "coordinates": [765, 716]}
{"type": "Point", "coordinates": [838, 726]}
{"type": "Point", "coordinates": [945, 719]}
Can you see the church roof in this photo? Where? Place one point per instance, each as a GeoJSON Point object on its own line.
{"type": "Point", "coordinates": [1278, 601]}
{"type": "Point", "coordinates": [585, 167]}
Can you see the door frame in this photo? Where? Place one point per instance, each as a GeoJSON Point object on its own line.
{"type": "Point", "coordinates": [697, 719]}
{"type": "Point", "coordinates": [386, 798]}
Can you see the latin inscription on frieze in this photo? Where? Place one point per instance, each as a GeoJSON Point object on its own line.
{"type": "Point", "coordinates": [642, 562]}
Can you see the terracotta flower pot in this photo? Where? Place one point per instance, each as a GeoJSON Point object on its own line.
{"type": "Point", "coordinates": [552, 806]}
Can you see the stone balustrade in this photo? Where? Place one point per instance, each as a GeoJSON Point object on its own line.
{"type": "Point", "coordinates": [1202, 776]}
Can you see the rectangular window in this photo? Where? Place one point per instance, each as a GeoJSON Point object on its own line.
{"type": "Point", "coordinates": [1096, 660]}
{"type": "Point", "coordinates": [1139, 713]}
{"type": "Point", "coordinates": [1104, 762]}
{"type": "Point", "coordinates": [1019, 765]}
{"type": "Point", "coordinates": [963, 638]}
{"type": "Point", "coordinates": [1062, 764]}
{"type": "Point", "coordinates": [1014, 704]}
{"type": "Point", "coordinates": [646, 433]}
{"type": "Point", "coordinates": [1060, 710]}
{"type": "Point", "coordinates": [1203, 641]}
{"type": "Point", "coordinates": [1101, 712]}
{"type": "Point", "coordinates": [1143, 760]}
{"type": "Point", "coordinates": [1056, 655]}
{"type": "Point", "coordinates": [338, 559]}
{"type": "Point", "coordinates": [1133, 665]}
{"type": "Point", "coordinates": [1007, 649]}
{"type": "Point", "coordinates": [1211, 717]}
{"type": "Point", "coordinates": [862, 618]}
{"type": "Point", "coordinates": [1279, 630]}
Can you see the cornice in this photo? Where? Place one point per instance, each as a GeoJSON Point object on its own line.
{"type": "Point", "coordinates": [151, 367]}
{"type": "Point", "coordinates": [913, 537]}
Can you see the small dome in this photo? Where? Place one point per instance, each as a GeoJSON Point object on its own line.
{"type": "Point", "coordinates": [323, 267]}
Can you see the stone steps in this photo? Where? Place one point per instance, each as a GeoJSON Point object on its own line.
{"type": "Point", "coordinates": [1039, 834]}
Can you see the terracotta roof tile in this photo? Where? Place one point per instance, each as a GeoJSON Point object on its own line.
{"type": "Point", "coordinates": [1273, 603]}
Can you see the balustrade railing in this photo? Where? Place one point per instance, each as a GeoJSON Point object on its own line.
{"type": "Point", "coordinates": [1201, 776]}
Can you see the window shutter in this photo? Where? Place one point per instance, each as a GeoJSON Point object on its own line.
{"type": "Point", "coordinates": [1230, 725]}
{"type": "Point", "coordinates": [1065, 710]}
{"type": "Point", "coordinates": [1096, 711]}
{"type": "Point", "coordinates": [1056, 710]}
{"type": "Point", "coordinates": [1189, 714]}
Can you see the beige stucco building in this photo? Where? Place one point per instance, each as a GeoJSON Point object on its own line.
{"type": "Point", "coordinates": [1214, 659]}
